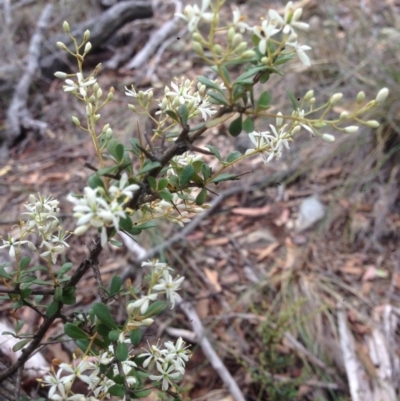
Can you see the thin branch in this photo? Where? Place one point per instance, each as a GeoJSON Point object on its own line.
{"type": "Point", "coordinates": [48, 321]}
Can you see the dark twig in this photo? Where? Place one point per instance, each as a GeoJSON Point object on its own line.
{"type": "Point", "coordinates": [48, 321]}
{"type": "Point", "coordinates": [99, 281]}
{"type": "Point", "coordinates": [18, 384]}
{"type": "Point", "coordinates": [18, 291]}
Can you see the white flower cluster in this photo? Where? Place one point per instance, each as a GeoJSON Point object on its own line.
{"type": "Point", "coordinates": [177, 210]}
{"type": "Point", "coordinates": [197, 101]}
{"type": "Point", "coordinates": [42, 213]}
{"type": "Point", "coordinates": [162, 283]}
{"type": "Point", "coordinates": [183, 160]}
{"type": "Point", "coordinates": [170, 363]}
{"type": "Point", "coordinates": [270, 26]}
{"type": "Point", "coordinates": [100, 210]}
{"type": "Point", "coordinates": [270, 143]}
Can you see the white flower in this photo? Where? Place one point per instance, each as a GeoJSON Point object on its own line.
{"type": "Point", "coordinates": [80, 85]}
{"type": "Point", "coordinates": [193, 14]}
{"type": "Point", "coordinates": [153, 354]}
{"type": "Point", "coordinates": [75, 371]}
{"type": "Point", "coordinates": [132, 92]}
{"type": "Point", "coordinates": [262, 143]}
{"type": "Point", "coordinates": [264, 32]}
{"type": "Point", "coordinates": [300, 50]}
{"type": "Point", "coordinates": [143, 303]}
{"type": "Point", "coordinates": [168, 285]}
{"type": "Point", "coordinates": [52, 380]}
{"type": "Point", "coordinates": [177, 353]}
{"type": "Point", "coordinates": [167, 373]}
{"type": "Point", "coordinates": [121, 189]}
{"type": "Point", "coordinates": [238, 20]}
{"type": "Point", "coordinates": [12, 244]}
{"type": "Point", "coordinates": [290, 19]}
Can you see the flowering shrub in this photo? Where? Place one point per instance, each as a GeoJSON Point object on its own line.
{"type": "Point", "coordinates": [161, 176]}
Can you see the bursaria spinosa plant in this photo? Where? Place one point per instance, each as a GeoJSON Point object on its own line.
{"type": "Point", "coordinates": [159, 175]}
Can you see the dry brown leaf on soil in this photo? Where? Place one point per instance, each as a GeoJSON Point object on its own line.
{"type": "Point", "coordinates": [267, 252]}
{"type": "Point", "coordinates": [213, 278]}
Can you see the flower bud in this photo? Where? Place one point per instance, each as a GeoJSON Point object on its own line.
{"type": "Point", "coordinates": [97, 117]}
{"type": "Point", "coordinates": [344, 115]}
{"type": "Point", "coordinates": [351, 129]}
{"type": "Point", "coordinates": [198, 48]}
{"type": "Point", "coordinates": [382, 95]}
{"type": "Point", "coordinates": [88, 47]}
{"type": "Point", "coordinates": [279, 119]}
{"type": "Point", "coordinates": [130, 308]}
{"type": "Point", "coordinates": [86, 35]}
{"type": "Point", "coordinates": [372, 123]}
{"type": "Point", "coordinates": [295, 130]}
{"type": "Point", "coordinates": [66, 27]}
{"type": "Point", "coordinates": [81, 230]}
{"type": "Point", "coordinates": [231, 33]}
{"type": "Point", "coordinates": [61, 46]}
{"type": "Point", "coordinates": [76, 121]}
{"type": "Point", "coordinates": [110, 96]}
{"type": "Point", "coordinates": [92, 99]}
{"type": "Point", "coordinates": [99, 93]}
{"type": "Point", "coordinates": [240, 48]}
{"type": "Point", "coordinates": [196, 37]}
{"type": "Point", "coordinates": [336, 98]}
{"type": "Point", "coordinates": [109, 133]}
{"type": "Point", "coordinates": [265, 60]}
{"type": "Point", "coordinates": [328, 138]}
{"type": "Point", "coordinates": [131, 107]}
{"type": "Point", "coordinates": [360, 97]}
{"type": "Point", "coordinates": [308, 95]}
{"type": "Point", "coordinates": [312, 101]}
{"type": "Point", "coordinates": [237, 39]}
{"type": "Point", "coordinates": [217, 49]}
{"type": "Point", "coordinates": [248, 54]}
{"type": "Point", "coordinates": [147, 322]}
{"type": "Point", "coordinates": [60, 74]}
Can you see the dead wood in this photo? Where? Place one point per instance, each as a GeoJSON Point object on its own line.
{"type": "Point", "coordinates": [18, 115]}
{"type": "Point", "coordinates": [101, 28]}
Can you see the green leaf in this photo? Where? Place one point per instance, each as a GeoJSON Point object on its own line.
{"type": "Point", "coordinates": [233, 156]}
{"type": "Point", "coordinates": [224, 177]}
{"type": "Point", "coordinates": [225, 73]}
{"type": "Point", "coordinates": [162, 184]}
{"type": "Point", "coordinates": [25, 293]}
{"type": "Point", "coordinates": [235, 127]}
{"type": "Point", "coordinates": [83, 344]}
{"type": "Point", "coordinates": [122, 352]}
{"type": "Point", "coordinates": [135, 337]}
{"type": "Point", "coordinates": [172, 115]}
{"type": "Point", "coordinates": [52, 309]}
{"type": "Point", "coordinates": [165, 195]}
{"type": "Point", "coordinates": [115, 286]}
{"type": "Point", "coordinates": [18, 326]}
{"type": "Point", "coordinates": [284, 58]}
{"type": "Point", "coordinates": [218, 98]}
{"type": "Point", "coordinates": [116, 149]}
{"type": "Point", "coordinates": [38, 298]}
{"type": "Point", "coordinates": [65, 268]}
{"type": "Point", "coordinates": [103, 314]}
{"type": "Point", "coordinates": [20, 344]}
{"type": "Point", "coordinates": [214, 151]}
{"type": "Point", "coordinates": [186, 175]}
{"type": "Point", "coordinates": [118, 390]}
{"type": "Point", "coordinates": [148, 166]}
{"type": "Point", "coordinates": [247, 77]}
{"type": "Point", "coordinates": [35, 268]}
{"type": "Point", "coordinates": [114, 334]}
{"type": "Point", "coordinates": [26, 278]}
{"type": "Point", "coordinates": [125, 223]}
{"type": "Point", "coordinates": [118, 244]}
{"type": "Point", "coordinates": [183, 113]}
{"type": "Point", "coordinates": [141, 393]}
{"type": "Point", "coordinates": [4, 274]}
{"type": "Point", "coordinates": [95, 181]}
{"type": "Point", "coordinates": [107, 170]}
{"type": "Point", "coordinates": [201, 197]}
{"type": "Point", "coordinates": [292, 99]}
{"type": "Point", "coordinates": [264, 77]}
{"type": "Point", "coordinates": [206, 171]}
{"type": "Point", "coordinates": [133, 231]}
{"type": "Point", "coordinates": [135, 143]}
{"type": "Point", "coordinates": [74, 331]}
{"type": "Point", "coordinates": [264, 101]}
{"type": "Point", "coordinates": [248, 125]}
{"type": "Point", "coordinates": [152, 182]}
{"type": "Point", "coordinates": [155, 308]}
{"type": "Point", "coordinates": [68, 297]}
{"type": "Point", "coordinates": [24, 263]}
{"type": "Point", "coordinates": [58, 292]}
{"type": "Point", "coordinates": [209, 84]}
{"type": "Point", "coordinates": [146, 225]}
{"type": "Point", "coordinates": [104, 331]}
{"type": "Point", "coordinates": [238, 92]}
